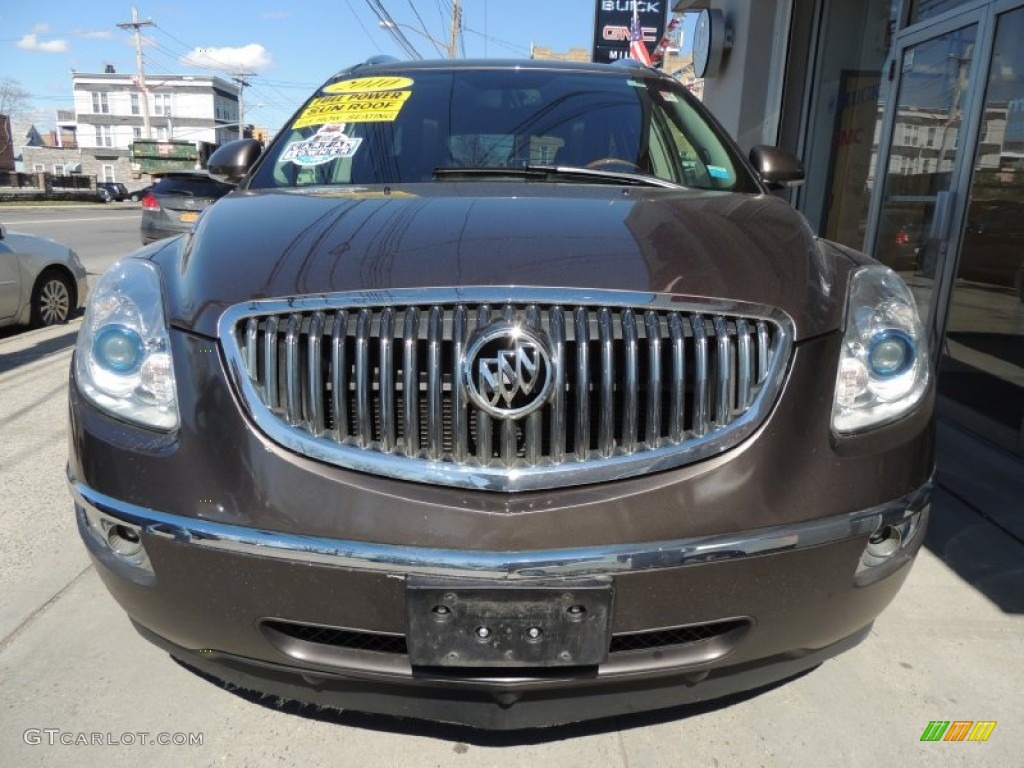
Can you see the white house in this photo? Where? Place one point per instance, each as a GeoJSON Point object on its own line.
{"type": "Point", "coordinates": [109, 109]}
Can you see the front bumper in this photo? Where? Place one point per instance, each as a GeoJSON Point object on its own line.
{"type": "Point", "coordinates": [217, 595]}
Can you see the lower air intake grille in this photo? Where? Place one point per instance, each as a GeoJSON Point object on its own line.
{"type": "Point", "coordinates": [395, 644]}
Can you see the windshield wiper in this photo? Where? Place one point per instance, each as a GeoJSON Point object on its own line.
{"type": "Point", "coordinates": [556, 173]}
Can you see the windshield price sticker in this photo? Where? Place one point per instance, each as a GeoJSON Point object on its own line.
{"type": "Point", "coordinates": [369, 84]}
{"type": "Point", "coordinates": [362, 107]}
{"type": "Point", "coordinates": [329, 143]}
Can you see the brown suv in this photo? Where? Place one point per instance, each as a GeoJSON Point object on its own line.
{"type": "Point", "coordinates": [501, 393]}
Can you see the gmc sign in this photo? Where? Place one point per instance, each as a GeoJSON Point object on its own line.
{"type": "Point", "coordinates": [612, 21]}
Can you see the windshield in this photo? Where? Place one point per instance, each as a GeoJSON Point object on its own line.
{"type": "Point", "coordinates": [395, 129]}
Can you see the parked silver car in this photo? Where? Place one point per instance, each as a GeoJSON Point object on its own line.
{"type": "Point", "coordinates": [42, 282]}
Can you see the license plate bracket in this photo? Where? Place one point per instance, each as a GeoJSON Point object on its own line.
{"type": "Point", "coordinates": [503, 624]}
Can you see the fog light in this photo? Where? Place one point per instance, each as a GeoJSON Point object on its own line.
{"type": "Point", "coordinates": [124, 541]}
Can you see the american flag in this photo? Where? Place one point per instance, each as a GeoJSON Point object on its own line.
{"type": "Point", "coordinates": [637, 49]}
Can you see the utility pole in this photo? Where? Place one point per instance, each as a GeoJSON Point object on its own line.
{"type": "Point", "coordinates": [453, 40]}
{"type": "Point", "coordinates": [240, 78]}
{"type": "Point", "coordinates": [140, 74]}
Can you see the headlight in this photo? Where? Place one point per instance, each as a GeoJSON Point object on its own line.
{"type": "Point", "coordinates": [883, 368]}
{"type": "Point", "coordinates": [123, 355]}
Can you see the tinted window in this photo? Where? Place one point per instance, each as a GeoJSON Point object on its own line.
{"type": "Point", "coordinates": [387, 129]}
{"type": "Point", "coordinates": [184, 185]}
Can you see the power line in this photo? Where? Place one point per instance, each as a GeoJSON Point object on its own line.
{"type": "Point", "coordinates": [388, 23]}
{"type": "Point", "coordinates": [423, 26]}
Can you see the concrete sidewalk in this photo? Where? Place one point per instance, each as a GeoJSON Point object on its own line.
{"type": "Point", "coordinates": [977, 524]}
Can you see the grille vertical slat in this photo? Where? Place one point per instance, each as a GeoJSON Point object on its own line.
{"type": "Point", "coordinates": [292, 372]}
{"type": "Point", "coordinates": [339, 377]}
{"type": "Point", "coordinates": [701, 388]}
{"type": "Point", "coordinates": [582, 328]}
{"type": "Point", "coordinates": [435, 424]}
{"type": "Point", "coordinates": [746, 359]}
{"type": "Point", "coordinates": [630, 386]}
{"type": "Point", "coordinates": [386, 386]}
{"type": "Point", "coordinates": [252, 328]}
{"type": "Point", "coordinates": [557, 323]}
{"type": "Point", "coordinates": [723, 373]}
{"type": "Point", "coordinates": [483, 421]}
{"type": "Point", "coordinates": [270, 393]}
{"type": "Point", "coordinates": [762, 351]}
{"type": "Point", "coordinates": [315, 375]}
{"type": "Point", "coordinates": [460, 430]}
{"type": "Point", "coordinates": [509, 428]}
{"type": "Point", "coordinates": [677, 397]}
{"type": "Point", "coordinates": [364, 414]}
{"type": "Point", "coordinates": [626, 382]}
{"type": "Point", "coordinates": [606, 422]}
{"type": "Point", "coordinates": [534, 422]}
{"type": "Point", "coordinates": [652, 431]}
{"type": "Point", "coordinates": [410, 383]}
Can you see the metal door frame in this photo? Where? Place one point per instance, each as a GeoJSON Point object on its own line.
{"type": "Point", "coordinates": [982, 14]}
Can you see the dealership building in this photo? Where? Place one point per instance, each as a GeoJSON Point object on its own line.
{"type": "Point", "coordinates": [909, 117]}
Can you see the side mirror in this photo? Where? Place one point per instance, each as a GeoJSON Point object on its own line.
{"type": "Point", "coordinates": [232, 161]}
{"type": "Point", "coordinates": [776, 166]}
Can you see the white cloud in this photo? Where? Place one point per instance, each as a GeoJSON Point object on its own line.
{"type": "Point", "coordinates": [248, 58]}
{"type": "Point", "coordinates": [32, 43]}
{"type": "Point", "coordinates": [93, 34]}
{"type": "Point", "coordinates": [41, 29]}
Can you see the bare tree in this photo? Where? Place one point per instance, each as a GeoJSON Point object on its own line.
{"type": "Point", "coordinates": [13, 104]}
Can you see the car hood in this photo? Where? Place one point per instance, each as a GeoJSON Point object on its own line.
{"type": "Point", "coordinates": [278, 244]}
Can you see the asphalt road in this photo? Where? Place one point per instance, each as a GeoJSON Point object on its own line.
{"type": "Point", "coordinates": [100, 233]}
{"type": "Point", "coordinates": [72, 669]}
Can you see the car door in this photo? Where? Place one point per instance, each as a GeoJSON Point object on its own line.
{"type": "Point", "coordinates": [10, 281]}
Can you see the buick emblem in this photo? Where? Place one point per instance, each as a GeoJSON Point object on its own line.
{"type": "Point", "coordinates": [507, 370]}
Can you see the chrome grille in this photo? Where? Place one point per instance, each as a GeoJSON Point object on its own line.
{"type": "Point", "coordinates": [642, 382]}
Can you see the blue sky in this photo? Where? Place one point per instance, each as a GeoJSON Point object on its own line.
{"type": "Point", "coordinates": [293, 46]}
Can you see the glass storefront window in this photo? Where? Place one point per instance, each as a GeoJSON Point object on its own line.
{"type": "Point", "coordinates": [983, 364]}
{"type": "Point", "coordinates": [921, 10]}
{"type": "Point", "coordinates": [845, 117]}
{"type": "Point", "coordinates": [923, 158]}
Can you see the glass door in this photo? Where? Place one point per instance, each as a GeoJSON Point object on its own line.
{"type": "Point", "coordinates": [935, 74]}
{"type": "Point", "coordinates": [982, 364]}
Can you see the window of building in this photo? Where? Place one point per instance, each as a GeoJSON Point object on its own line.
{"type": "Point", "coordinates": [100, 103]}
{"type": "Point", "coordinates": [161, 103]}
{"type": "Point", "coordinates": [136, 132]}
{"type": "Point", "coordinates": [162, 133]}
{"type": "Point", "coordinates": [842, 129]}
{"type": "Point", "coordinates": [135, 103]}
{"type": "Point", "coordinates": [104, 137]}
{"type": "Point", "coordinates": [928, 9]}
{"type": "Point", "coordinates": [108, 172]}
{"type": "Point", "coordinates": [58, 169]}
{"type": "Point", "coordinates": [38, 167]}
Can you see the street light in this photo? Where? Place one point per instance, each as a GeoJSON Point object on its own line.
{"type": "Point", "coordinates": [441, 47]}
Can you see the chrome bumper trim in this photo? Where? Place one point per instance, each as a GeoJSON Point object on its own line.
{"type": "Point", "coordinates": [576, 562]}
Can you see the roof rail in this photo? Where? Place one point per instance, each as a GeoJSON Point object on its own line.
{"type": "Point", "coordinates": [380, 58]}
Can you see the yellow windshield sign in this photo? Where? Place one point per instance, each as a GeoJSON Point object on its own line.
{"type": "Point", "coordinates": [368, 107]}
{"type": "Point", "coordinates": [369, 84]}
